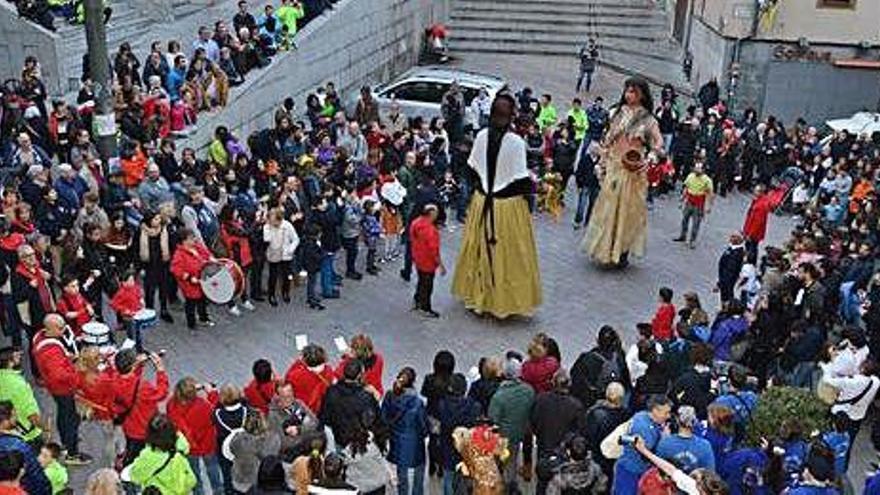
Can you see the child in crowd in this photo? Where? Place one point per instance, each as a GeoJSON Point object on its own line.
{"type": "Point", "coordinates": [449, 192]}
{"type": "Point", "coordinates": [661, 324]}
{"type": "Point", "coordinates": [127, 301]}
{"type": "Point", "coordinates": [550, 192]}
{"type": "Point", "coordinates": [54, 470]}
{"type": "Point", "coordinates": [392, 226]}
{"type": "Point", "coordinates": [312, 256]}
{"type": "Point", "coordinates": [800, 197]}
{"type": "Point", "coordinates": [371, 231]}
{"type": "Point", "coordinates": [73, 306]}
{"type": "Point", "coordinates": [749, 282]}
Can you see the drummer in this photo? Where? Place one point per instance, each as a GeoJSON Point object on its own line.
{"type": "Point", "coordinates": [73, 306]}
{"type": "Point", "coordinates": [127, 301]}
{"type": "Point", "coordinates": [186, 266]}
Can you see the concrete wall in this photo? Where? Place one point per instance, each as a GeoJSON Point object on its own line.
{"type": "Point", "coordinates": [19, 39]}
{"type": "Point", "coordinates": [363, 41]}
{"type": "Point", "coordinates": [711, 53]}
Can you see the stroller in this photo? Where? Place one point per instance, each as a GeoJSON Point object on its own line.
{"type": "Point", "coordinates": [791, 177]}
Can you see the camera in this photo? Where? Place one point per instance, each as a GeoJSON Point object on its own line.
{"type": "Point", "coordinates": [627, 440]}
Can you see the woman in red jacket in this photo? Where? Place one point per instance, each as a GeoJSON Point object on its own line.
{"type": "Point", "coordinates": [361, 348]}
{"type": "Point", "coordinates": [192, 413]}
{"type": "Point", "coordinates": [186, 266]}
{"type": "Point", "coordinates": [95, 395]}
{"type": "Point", "coordinates": [135, 399]}
{"type": "Point", "coordinates": [261, 389]}
{"type": "Point", "coordinates": [235, 239]}
{"type": "Point", "coordinates": [311, 376]}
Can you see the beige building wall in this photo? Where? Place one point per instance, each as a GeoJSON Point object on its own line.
{"type": "Point", "coordinates": [796, 19]}
{"type": "Point", "coordinates": [808, 19]}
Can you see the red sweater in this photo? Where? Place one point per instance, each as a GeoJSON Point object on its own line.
{"type": "Point", "coordinates": [259, 395]}
{"type": "Point", "coordinates": [372, 375]}
{"type": "Point", "coordinates": [74, 303]}
{"type": "Point", "coordinates": [128, 300]}
{"type": "Point", "coordinates": [55, 365]}
{"type": "Point", "coordinates": [425, 242]}
{"type": "Point", "coordinates": [194, 420]}
{"type": "Point", "coordinates": [97, 391]}
{"type": "Point", "coordinates": [539, 373]}
{"type": "Point", "coordinates": [309, 386]}
{"type": "Point", "coordinates": [146, 401]}
{"type": "Point", "coordinates": [186, 266]}
{"type": "Point", "coordinates": [661, 324]}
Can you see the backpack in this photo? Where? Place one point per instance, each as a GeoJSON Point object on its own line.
{"type": "Point", "coordinates": [610, 372]}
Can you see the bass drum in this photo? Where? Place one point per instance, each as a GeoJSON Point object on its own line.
{"type": "Point", "coordinates": [222, 281]}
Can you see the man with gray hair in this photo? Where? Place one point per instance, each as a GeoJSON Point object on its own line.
{"type": "Point", "coordinates": [686, 451]}
{"type": "Point", "coordinates": [509, 409]}
{"type": "Point", "coordinates": [154, 191]}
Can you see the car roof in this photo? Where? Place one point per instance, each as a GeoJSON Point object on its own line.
{"type": "Point", "coordinates": [445, 74]}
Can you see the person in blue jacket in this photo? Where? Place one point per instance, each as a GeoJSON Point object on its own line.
{"type": "Point", "coordinates": [818, 477]}
{"type": "Point", "coordinates": [684, 449]}
{"type": "Point", "coordinates": [739, 399]}
{"type": "Point", "coordinates": [404, 412]}
{"type": "Point", "coordinates": [838, 441]}
{"type": "Point", "coordinates": [647, 425]}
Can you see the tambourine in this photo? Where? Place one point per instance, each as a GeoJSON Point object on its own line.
{"type": "Point", "coordinates": [222, 281]}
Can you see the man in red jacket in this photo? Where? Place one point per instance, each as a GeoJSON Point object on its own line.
{"type": "Point", "coordinates": [425, 245]}
{"type": "Point", "coordinates": [186, 266]}
{"type": "Point", "coordinates": [54, 350]}
{"type": "Point", "coordinates": [135, 399]}
{"type": "Point", "coordinates": [311, 376]}
{"type": "Point", "coordinates": [755, 227]}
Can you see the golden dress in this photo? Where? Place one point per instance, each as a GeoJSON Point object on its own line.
{"type": "Point", "coordinates": [497, 267]}
{"type": "Point", "coordinates": [619, 224]}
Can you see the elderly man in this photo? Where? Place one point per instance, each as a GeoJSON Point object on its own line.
{"type": "Point", "coordinates": [35, 182]}
{"type": "Point", "coordinates": [200, 216]}
{"type": "Point", "coordinates": [24, 155]}
{"type": "Point", "coordinates": [54, 350]}
{"type": "Point", "coordinates": [395, 120]}
{"type": "Point", "coordinates": [30, 285]}
{"type": "Point", "coordinates": [154, 191]}
{"type": "Point", "coordinates": [82, 150]}
{"type": "Point", "coordinates": [71, 187]}
{"type": "Point", "coordinates": [354, 143]}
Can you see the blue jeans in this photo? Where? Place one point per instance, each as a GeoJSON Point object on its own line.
{"type": "Point", "coordinates": [625, 482]}
{"type": "Point", "coordinates": [448, 475]}
{"type": "Point", "coordinates": [586, 200]}
{"type": "Point", "coordinates": [418, 484]}
{"type": "Point", "coordinates": [328, 274]}
{"type": "Point", "coordinates": [350, 244]}
{"type": "Point", "coordinates": [311, 286]}
{"type": "Point", "coordinates": [212, 467]}
{"type": "Point", "coordinates": [464, 198]}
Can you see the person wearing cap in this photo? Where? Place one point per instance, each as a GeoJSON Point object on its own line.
{"type": "Point", "coordinates": [497, 269]}
{"type": "Point", "coordinates": [424, 238]}
{"type": "Point", "coordinates": [509, 408]}
{"type": "Point", "coordinates": [186, 265]}
{"type": "Point", "coordinates": [687, 451]}
{"type": "Point", "coordinates": [16, 389]}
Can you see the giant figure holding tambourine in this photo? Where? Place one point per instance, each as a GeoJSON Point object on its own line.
{"type": "Point", "coordinates": [618, 227]}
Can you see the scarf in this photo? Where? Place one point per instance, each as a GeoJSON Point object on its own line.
{"type": "Point", "coordinates": [42, 287]}
{"type": "Point", "coordinates": [144, 242]}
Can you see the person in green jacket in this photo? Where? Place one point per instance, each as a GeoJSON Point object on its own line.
{"type": "Point", "coordinates": [546, 113]}
{"type": "Point", "coordinates": [55, 471]}
{"type": "Point", "coordinates": [581, 121]}
{"type": "Point", "coordinates": [15, 389]}
{"type": "Point", "coordinates": [509, 409]}
{"type": "Point", "coordinates": [289, 13]}
{"type": "Point", "coordinates": [162, 463]}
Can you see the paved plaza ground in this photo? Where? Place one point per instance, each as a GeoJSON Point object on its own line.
{"type": "Point", "coordinates": [578, 297]}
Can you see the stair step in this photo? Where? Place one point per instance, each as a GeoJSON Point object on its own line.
{"type": "Point", "coordinates": [634, 4]}
{"type": "Point", "coordinates": [573, 10]}
{"type": "Point", "coordinates": [567, 44]}
{"type": "Point", "coordinates": [466, 27]}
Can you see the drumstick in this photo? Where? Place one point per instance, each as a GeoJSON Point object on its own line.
{"type": "Point", "coordinates": [93, 405]}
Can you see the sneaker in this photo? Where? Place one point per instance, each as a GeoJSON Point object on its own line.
{"type": "Point", "coordinates": [208, 323]}
{"type": "Point", "coordinates": [167, 318]}
{"type": "Point", "coordinates": [318, 306]}
{"type": "Point", "coordinates": [77, 459]}
{"type": "Point", "coordinates": [692, 245]}
{"type": "Point", "coordinates": [234, 311]}
{"type": "Point", "coordinates": [248, 305]}
{"type": "Point", "coordinates": [678, 239]}
{"type": "Point", "coordinates": [355, 275]}
{"type": "Point", "coordinates": [430, 313]}
{"type": "Point", "coordinates": [272, 301]}
{"type": "Point", "coordinates": [576, 226]}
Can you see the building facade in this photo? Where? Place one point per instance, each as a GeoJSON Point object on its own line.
{"type": "Point", "coordinates": [815, 59]}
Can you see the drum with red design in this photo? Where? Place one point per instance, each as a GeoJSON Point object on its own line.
{"type": "Point", "coordinates": [222, 281]}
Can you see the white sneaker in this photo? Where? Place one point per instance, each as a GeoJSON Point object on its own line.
{"type": "Point", "coordinates": [234, 311]}
{"type": "Point", "coordinates": [248, 305]}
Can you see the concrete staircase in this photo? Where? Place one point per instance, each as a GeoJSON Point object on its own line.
{"type": "Point", "coordinates": [632, 35]}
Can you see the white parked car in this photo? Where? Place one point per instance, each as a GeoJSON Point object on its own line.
{"type": "Point", "coordinates": [419, 91]}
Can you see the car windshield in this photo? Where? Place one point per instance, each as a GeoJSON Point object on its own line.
{"type": "Point", "coordinates": [421, 91]}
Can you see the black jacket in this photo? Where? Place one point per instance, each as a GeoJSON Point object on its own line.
{"type": "Point", "coordinates": [312, 254]}
{"type": "Point", "coordinates": [585, 376]}
{"type": "Point", "coordinates": [346, 408]}
{"type": "Point", "coordinates": [585, 175]}
{"type": "Point", "coordinates": [555, 416]}
{"type": "Point", "coordinates": [600, 421]}
{"type": "Point", "coordinates": [329, 220]}
{"type": "Point", "coordinates": [694, 388]}
{"type": "Point", "coordinates": [729, 267]}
